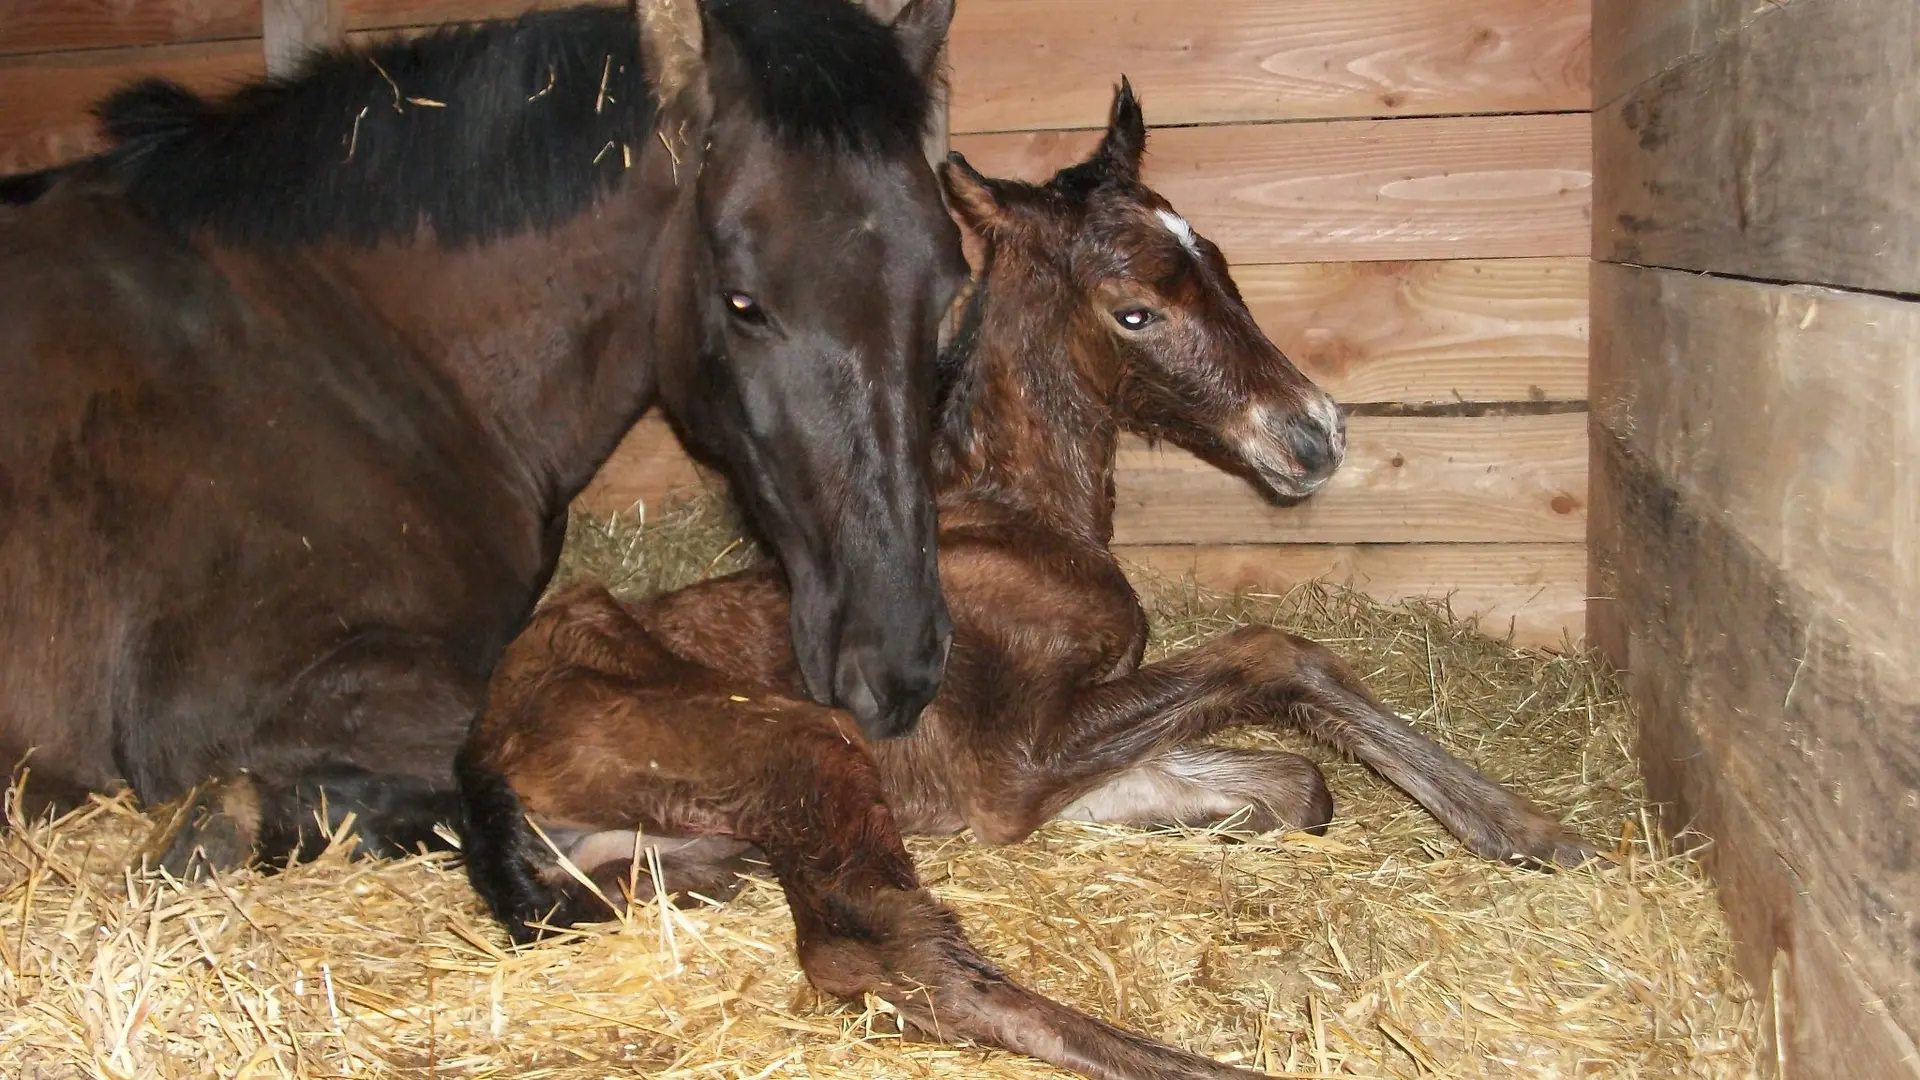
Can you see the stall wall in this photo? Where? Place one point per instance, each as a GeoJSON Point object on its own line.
{"type": "Point", "coordinates": [1756, 461]}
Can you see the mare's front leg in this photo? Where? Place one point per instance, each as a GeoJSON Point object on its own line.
{"type": "Point", "coordinates": [1121, 744]}
{"type": "Point", "coordinates": [369, 733]}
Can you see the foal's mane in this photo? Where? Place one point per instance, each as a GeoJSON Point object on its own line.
{"type": "Point", "coordinates": [485, 129]}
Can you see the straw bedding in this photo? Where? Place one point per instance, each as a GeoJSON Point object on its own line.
{"type": "Point", "coordinates": [1381, 950]}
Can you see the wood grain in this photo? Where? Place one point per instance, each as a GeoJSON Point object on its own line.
{"type": "Point", "coordinates": [1756, 454]}
{"type": "Point", "coordinates": [1634, 40]}
{"type": "Point", "coordinates": [1035, 64]}
{"type": "Point", "coordinates": [1468, 330]}
{"type": "Point", "coordinates": [1407, 480]}
{"type": "Point", "coordinates": [1786, 151]}
{"type": "Point", "coordinates": [1444, 188]}
{"type": "Point", "coordinates": [32, 26]}
{"type": "Point", "coordinates": [45, 101]}
{"type": "Point", "coordinates": [1022, 65]}
{"type": "Point", "coordinates": [39, 26]}
{"type": "Point", "coordinates": [1534, 592]}
{"type": "Point", "coordinates": [1513, 479]}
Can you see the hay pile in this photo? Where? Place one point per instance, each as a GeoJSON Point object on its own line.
{"type": "Point", "coordinates": [1382, 950]}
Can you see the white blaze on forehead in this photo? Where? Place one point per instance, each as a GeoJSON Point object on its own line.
{"type": "Point", "coordinates": [1181, 231]}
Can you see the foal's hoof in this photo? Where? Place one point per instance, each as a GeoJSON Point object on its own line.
{"type": "Point", "coordinates": [1538, 843]}
{"type": "Point", "coordinates": [212, 828]}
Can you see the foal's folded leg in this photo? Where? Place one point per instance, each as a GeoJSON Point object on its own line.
{"type": "Point", "coordinates": [865, 924]}
{"type": "Point", "coordinates": [1252, 791]}
{"type": "Point", "coordinates": [797, 783]}
{"type": "Point", "coordinates": [1262, 675]}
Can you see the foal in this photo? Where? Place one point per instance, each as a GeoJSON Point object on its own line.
{"type": "Point", "coordinates": [1098, 309]}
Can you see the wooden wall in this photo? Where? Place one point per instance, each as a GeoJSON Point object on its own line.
{"type": "Point", "coordinates": [1403, 186]}
{"type": "Point", "coordinates": [1756, 458]}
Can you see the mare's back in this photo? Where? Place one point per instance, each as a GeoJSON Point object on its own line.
{"type": "Point", "coordinates": [184, 442]}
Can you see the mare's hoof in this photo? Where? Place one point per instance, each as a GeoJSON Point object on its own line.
{"type": "Point", "coordinates": [212, 828]}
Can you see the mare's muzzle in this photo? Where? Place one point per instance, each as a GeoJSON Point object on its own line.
{"type": "Point", "coordinates": [887, 688]}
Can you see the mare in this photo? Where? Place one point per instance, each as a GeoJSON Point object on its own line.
{"type": "Point", "coordinates": [673, 727]}
{"type": "Point", "coordinates": [296, 386]}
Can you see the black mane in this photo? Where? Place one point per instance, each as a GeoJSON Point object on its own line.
{"type": "Point", "coordinates": [482, 130]}
{"type": "Point", "coordinates": [825, 72]}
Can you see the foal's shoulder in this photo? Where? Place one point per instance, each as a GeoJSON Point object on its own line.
{"type": "Point", "coordinates": [1008, 570]}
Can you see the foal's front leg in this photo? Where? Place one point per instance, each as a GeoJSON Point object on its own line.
{"type": "Point", "coordinates": [1118, 732]}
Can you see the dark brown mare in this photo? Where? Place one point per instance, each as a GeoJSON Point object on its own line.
{"type": "Point", "coordinates": [296, 386]}
{"type": "Point", "coordinates": [1098, 309]}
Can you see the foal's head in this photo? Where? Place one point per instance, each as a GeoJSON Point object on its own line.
{"type": "Point", "coordinates": [1160, 327]}
{"type": "Point", "coordinates": [830, 264]}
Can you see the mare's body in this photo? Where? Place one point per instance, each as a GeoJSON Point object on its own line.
{"type": "Point", "coordinates": [296, 386]}
{"type": "Point", "coordinates": [1099, 309]}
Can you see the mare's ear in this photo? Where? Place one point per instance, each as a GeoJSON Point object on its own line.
{"type": "Point", "coordinates": [1126, 138]}
{"type": "Point", "coordinates": [673, 42]}
{"type": "Point", "coordinates": [970, 194]}
{"type": "Point", "coordinates": [921, 28]}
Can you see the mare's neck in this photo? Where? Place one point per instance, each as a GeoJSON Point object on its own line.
{"type": "Point", "coordinates": [1037, 435]}
{"type": "Point", "coordinates": [550, 340]}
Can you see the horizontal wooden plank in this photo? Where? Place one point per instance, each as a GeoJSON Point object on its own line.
{"type": "Point", "coordinates": [1534, 593]}
{"type": "Point", "coordinates": [1442, 188]}
{"type": "Point", "coordinates": [1037, 64]}
{"type": "Point", "coordinates": [40, 26]}
{"type": "Point", "coordinates": [1024, 65]}
{"type": "Point", "coordinates": [1786, 151]}
{"type": "Point", "coordinates": [382, 14]}
{"type": "Point", "coordinates": [1468, 330]}
{"type": "Point", "coordinates": [1793, 412]}
{"type": "Point", "coordinates": [31, 26]}
{"type": "Point", "coordinates": [1495, 479]}
{"type": "Point", "coordinates": [45, 101]}
{"type": "Point", "coordinates": [1501, 479]}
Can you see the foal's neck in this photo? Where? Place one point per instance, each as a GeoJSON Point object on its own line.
{"type": "Point", "coordinates": [1038, 434]}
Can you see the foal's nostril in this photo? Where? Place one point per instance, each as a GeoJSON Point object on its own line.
{"type": "Point", "coordinates": [1314, 448]}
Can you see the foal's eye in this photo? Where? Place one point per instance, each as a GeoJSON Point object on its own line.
{"type": "Point", "coordinates": [1136, 318]}
{"type": "Point", "coordinates": [744, 307]}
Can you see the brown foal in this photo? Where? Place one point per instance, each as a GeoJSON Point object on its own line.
{"type": "Point", "coordinates": [682, 717]}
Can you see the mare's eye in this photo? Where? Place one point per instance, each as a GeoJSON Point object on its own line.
{"type": "Point", "coordinates": [1136, 318]}
{"type": "Point", "coordinates": [745, 308]}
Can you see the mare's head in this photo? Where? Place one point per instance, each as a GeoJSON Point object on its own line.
{"type": "Point", "coordinates": [1162, 327]}
{"type": "Point", "coordinates": [830, 263]}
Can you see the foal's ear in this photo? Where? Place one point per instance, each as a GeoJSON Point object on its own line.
{"type": "Point", "coordinates": [1126, 138]}
{"type": "Point", "coordinates": [673, 48]}
{"type": "Point", "coordinates": [970, 194]}
{"type": "Point", "coordinates": [921, 28]}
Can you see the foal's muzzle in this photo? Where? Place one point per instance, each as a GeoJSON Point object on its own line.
{"type": "Point", "coordinates": [1296, 452]}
